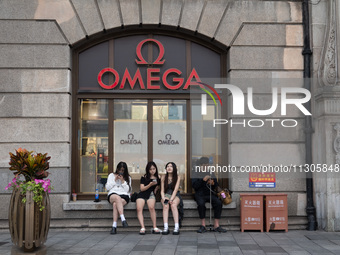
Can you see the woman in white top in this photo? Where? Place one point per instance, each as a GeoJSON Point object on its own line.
{"type": "Point", "coordinates": [119, 186]}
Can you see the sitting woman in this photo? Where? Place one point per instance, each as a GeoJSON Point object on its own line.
{"type": "Point", "coordinates": [149, 184]}
{"type": "Point", "coordinates": [119, 186]}
{"type": "Point", "coordinates": [170, 196]}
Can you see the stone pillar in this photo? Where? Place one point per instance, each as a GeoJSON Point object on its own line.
{"type": "Point", "coordinates": [326, 142]}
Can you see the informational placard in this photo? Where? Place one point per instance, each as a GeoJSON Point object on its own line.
{"type": "Point", "coordinates": [262, 180]}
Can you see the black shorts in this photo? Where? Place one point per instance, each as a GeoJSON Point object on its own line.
{"type": "Point", "coordinates": [125, 197]}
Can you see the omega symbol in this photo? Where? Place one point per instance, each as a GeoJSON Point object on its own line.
{"type": "Point", "coordinates": [141, 60]}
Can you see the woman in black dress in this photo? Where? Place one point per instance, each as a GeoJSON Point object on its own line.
{"type": "Point", "coordinates": [149, 184]}
{"type": "Point", "coordinates": [170, 196]}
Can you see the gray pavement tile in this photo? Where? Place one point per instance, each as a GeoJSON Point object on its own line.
{"type": "Point", "coordinates": [274, 253]}
{"type": "Point", "coordinates": [167, 241]}
{"type": "Point", "coordinates": [166, 252]}
{"type": "Point", "coordinates": [96, 252]}
{"type": "Point", "coordinates": [322, 253]}
{"type": "Point", "coordinates": [247, 247]}
{"type": "Point", "coordinates": [186, 249]}
{"type": "Point", "coordinates": [73, 250]}
{"type": "Point", "coordinates": [226, 243]}
{"type": "Point", "coordinates": [283, 241]}
{"type": "Point", "coordinates": [231, 253]}
{"type": "Point", "coordinates": [255, 252]}
{"type": "Point", "coordinates": [207, 241]}
{"type": "Point", "coordinates": [185, 253]}
{"type": "Point", "coordinates": [210, 252]}
{"type": "Point", "coordinates": [120, 250]}
{"type": "Point", "coordinates": [187, 243]}
{"type": "Point", "coordinates": [60, 247]}
{"type": "Point", "coordinates": [140, 253]}
{"type": "Point", "coordinates": [144, 248]}
{"type": "Point", "coordinates": [224, 238]}
{"type": "Point", "coordinates": [332, 247]}
{"type": "Point", "coordinates": [188, 238]}
{"type": "Point", "coordinates": [273, 249]}
{"type": "Point", "coordinates": [335, 241]}
{"type": "Point", "coordinates": [230, 249]}
{"type": "Point", "coordinates": [143, 242]}
{"type": "Point", "coordinates": [245, 241]}
{"type": "Point", "coordinates": [206, 246]}
{"type": "Point", "coordinates": [316, 237]}
{"type": "Point", "coordinates": [292, 248]}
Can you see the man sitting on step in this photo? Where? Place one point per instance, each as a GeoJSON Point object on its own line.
{"type": "Point", "coordinates": [204, 188]}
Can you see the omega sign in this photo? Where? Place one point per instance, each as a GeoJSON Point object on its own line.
{"type": "Point", "coordinates": [153, 74]}
{"type": "Point", "coordinates": [130, 140]}
{"type": "Point", "coordinates": [168, 141]}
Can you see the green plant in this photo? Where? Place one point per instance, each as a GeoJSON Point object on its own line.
{"type": "Point", "coordinates": [31, 166]}
{"type": "Point", "coordinates": [34, 168]}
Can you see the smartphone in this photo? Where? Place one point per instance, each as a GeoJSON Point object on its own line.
{"type": "Point", "coordinates": [154, 180]}
{"type": "Point", "coordinates": [166, 201]}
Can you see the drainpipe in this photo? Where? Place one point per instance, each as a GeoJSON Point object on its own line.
{"type": "Point", "coordinates": [307, 53]}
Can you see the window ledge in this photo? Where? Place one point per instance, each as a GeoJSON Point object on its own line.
{"type": "Point", "coordinates": [88, 205]}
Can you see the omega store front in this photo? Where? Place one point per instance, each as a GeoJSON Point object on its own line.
{"type": "Point", "coordinates": [131, 102]}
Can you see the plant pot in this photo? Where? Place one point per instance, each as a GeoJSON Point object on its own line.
{"type": "Point", "coordinates": [27, 224]}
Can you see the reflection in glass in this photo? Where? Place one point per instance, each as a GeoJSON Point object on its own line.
{"type": "Point", "coordinates": [130, 137]}
{"type": "Point", "coordinates": [169, 136]}
{"type": "Point", "coordinates": [93, 144]}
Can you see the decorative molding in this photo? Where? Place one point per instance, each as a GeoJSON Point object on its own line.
{"type": "Point", "coordinates": [328, 72]}
{"type": "Point", "coordinates": [336, 143]}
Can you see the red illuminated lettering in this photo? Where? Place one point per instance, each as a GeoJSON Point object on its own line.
{"type": "Point", "coordinates": [150, 79]}
{"type": "Point", "coordinates": [192, 75]}
{"type": "Point", "coordinates": [179, 80]}
{"type": "Point", "coordinates": [115, 74]}
{"type": "Point", "coordinates": [127, 77]}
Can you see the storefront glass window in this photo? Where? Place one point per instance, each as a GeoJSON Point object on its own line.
{"type": "Point", "coordinates": [93, 144]}
{"type": "Point", "coordinates": [169, 136]}
{"type": "Point", "coordinates": [130, 137]}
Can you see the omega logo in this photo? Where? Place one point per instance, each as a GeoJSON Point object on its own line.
{"type": "Point", "coordinates": [130, 140]}
{"type": "Point", "coordinates": [142, 61]}
{"type": "Point", "coordinates": [154, 78]}
{"type": "Point", "coordinates": [168, 141]}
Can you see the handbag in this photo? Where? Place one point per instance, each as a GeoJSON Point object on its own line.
{"type": "Point", "coordinates": [134, 197]}
{"type": "Point", "coordinates": [224, 195]}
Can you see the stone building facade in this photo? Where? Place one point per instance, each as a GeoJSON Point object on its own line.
{"type": "Point", "coordinates": [261, 40]}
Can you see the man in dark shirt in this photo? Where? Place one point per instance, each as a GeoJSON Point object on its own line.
{"type": "Point", "coordinates": [203, 194]}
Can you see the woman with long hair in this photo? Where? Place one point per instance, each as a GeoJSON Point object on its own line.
{"type": "Point", "coordinates": [119, 186]}
{"type": "Point", "coordinates": [149, 184]}
{"type": "Point", "coordinates": [170, 196]}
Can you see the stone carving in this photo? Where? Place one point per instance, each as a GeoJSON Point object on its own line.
{"type": "Point", "coordinates": [328, 67]}
{"type": "Point", "coordinates": [337, 143]}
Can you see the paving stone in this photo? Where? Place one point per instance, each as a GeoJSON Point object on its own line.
{"type": "Point", "coordinates": [226, 243]}
{"type": "Point", "coordinates": [255, 252]}
{"type": "Point", "coordinates": [273, 249]}
{"type": "Point", "coordinates": [206, 246]}
{"type": "Point", "coordinates": [187, 243]}
{"type": "Point", "coordinates": [208, 251]}
{"type": "Point", "coordinates": [245, 247]}
{"type": "Point", "coordinates": [144, 248]}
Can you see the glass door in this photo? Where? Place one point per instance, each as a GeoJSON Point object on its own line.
{"type": "Point", "coordinates": [130, 140]}
{"type": "Point", "coordinates": [170, 136]}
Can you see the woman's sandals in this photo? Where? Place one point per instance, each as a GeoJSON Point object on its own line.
{"type": "Point", "coordinates": [142, 231]}
{"type": "Point", "coordinates": [156, 231]}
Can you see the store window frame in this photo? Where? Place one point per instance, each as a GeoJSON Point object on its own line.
{"type": "Point", "coordinates": [189, 37]}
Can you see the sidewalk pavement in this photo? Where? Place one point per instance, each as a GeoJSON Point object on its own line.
{"type": "Point", "coordinates": [232, 242]}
